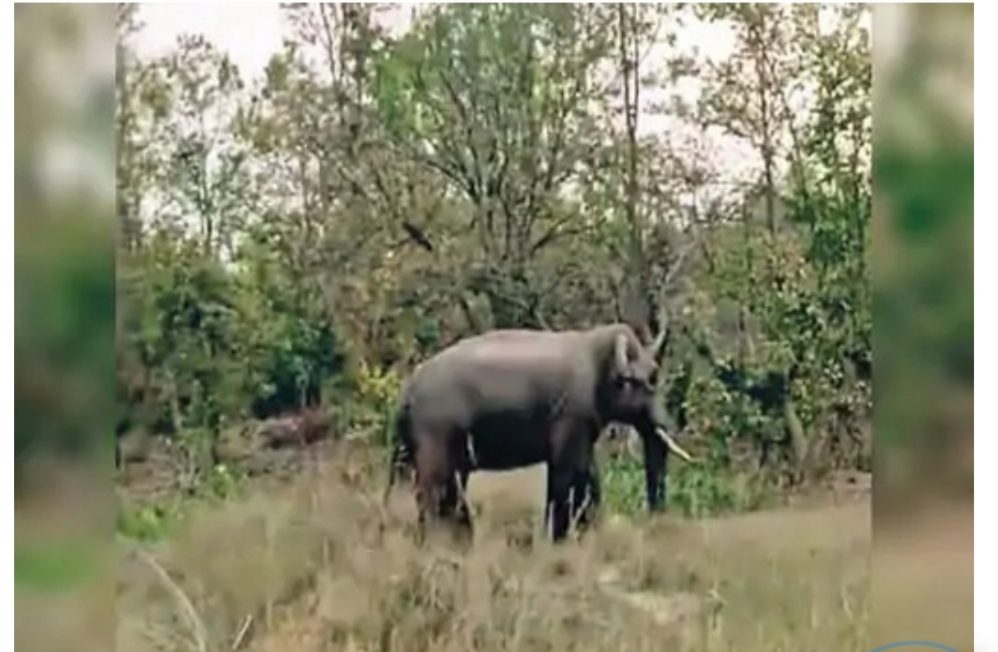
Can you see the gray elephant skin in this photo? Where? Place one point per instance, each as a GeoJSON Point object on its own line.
{"type": "Point", "coordinates": [510, 398]}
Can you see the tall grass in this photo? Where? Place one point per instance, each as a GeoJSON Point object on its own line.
{"type": "Point", "coordinates": [321, 565]}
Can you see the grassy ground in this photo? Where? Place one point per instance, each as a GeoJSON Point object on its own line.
{"type": "Point", "coordinates": [319, 565]}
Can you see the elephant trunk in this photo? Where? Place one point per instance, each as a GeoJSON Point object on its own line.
{"type": "Point", "coordinates": [657, 444]}
{"type": "Point", "coordinates": [658, 421]}
{"type": "Point", "coordinates": [655, 454]}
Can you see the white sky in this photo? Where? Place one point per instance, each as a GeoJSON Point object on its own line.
{"type": "Point", "coordinates": [248, 32]}
{"type": "Point", "coordinates": [251, 32]}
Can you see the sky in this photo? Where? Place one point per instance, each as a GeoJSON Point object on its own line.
{"type": "Point", "coordinates": [227, 25]}
{"type": "Point", "coordinates": [249, 32]}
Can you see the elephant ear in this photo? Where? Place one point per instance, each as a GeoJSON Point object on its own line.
{"type": "Point", "coordinates": [620, 351]}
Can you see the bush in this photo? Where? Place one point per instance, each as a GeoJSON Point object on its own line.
{"type": "Point", "coordinates": [693, 490]}
{"type": "Point", "coordinates": [376, 396]}
{"type": "Point", "coordinates": [205, 344]}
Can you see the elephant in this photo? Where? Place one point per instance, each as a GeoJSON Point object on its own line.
{"type": "Point", "coordinates": [510, 398]}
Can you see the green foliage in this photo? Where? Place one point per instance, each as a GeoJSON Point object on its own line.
{"type": "Point", "coordinates": [223, 482]}
{"type": "Point", "coordinates": [693, 490]}
{"type": "Point", "coordinates": [154, 521]}
{"type": "Point", "coordinates": [288, 348]}
{"type": "Point", "coordinates": [623, 485]}
{"type": "Point", "coordinates": [145, 522]}
{"type": "Point", "coordinates": [215, 345]}
{"type": "Point", "coordinates": [375, 397]}
{"type": "Point", "coordinates": [699, 491]}
{"type": "Point", "coordinates": [491, 100]}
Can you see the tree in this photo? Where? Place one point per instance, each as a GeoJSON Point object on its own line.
{"type": "Point", "coordinates": [497, 101]}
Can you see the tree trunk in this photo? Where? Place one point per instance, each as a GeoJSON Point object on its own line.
{"type": "Point", "coordinates": [642, 306]}
{"type": "Point", "coordinates": [795, 436]}
{"type": "Point", "coordinates": [757, 33]}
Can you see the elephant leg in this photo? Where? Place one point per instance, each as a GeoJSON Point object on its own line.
{"type": "Point", "coordinates": [655, 453]}
{"type": "Point", "coordinates": [442, 476]}
{"type": "Point", "coordinates": [560, 483]}
{"type": "Point", "coordinates": [455, 503]}
{"type": "Point", "coordinates": [434, 475]}
{"type": "Point", "coordinates": [590, 496]}
{"type": "Point", "coordinates": [569, 477]}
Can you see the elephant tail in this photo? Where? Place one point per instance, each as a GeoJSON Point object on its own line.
{"type": "Point", "coordinates": [401, 453]}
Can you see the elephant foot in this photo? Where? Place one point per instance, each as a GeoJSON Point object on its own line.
{"type": "Point", "coordinates": [578, 510]}
{"type": "Point", "coordinates": [557, 520]}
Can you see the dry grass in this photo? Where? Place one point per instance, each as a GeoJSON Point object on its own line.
{"type": "Point", "coordinates": [321, 566]}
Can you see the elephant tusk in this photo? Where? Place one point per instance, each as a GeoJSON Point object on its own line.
{"type": "Point", "coordinates": [472, 458]}
{"type": "Point", "coordinates": [673, 446]}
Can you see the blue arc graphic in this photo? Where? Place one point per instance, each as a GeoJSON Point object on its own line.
{"type": "Point", "coordinates": [915, 644]}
